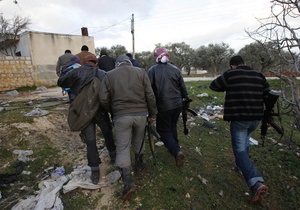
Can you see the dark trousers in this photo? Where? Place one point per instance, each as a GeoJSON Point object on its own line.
{"type": "Point", "coordinates": [103, 121]}
{"type": "Point", "coordinates": [166, 125]}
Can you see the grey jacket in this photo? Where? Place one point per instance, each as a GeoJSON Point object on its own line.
{"type": "Point", "coordinates": [126, 90]}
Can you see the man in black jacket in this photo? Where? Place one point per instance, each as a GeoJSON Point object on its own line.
{"type": "Point", "coordinates": [246, 90]}
{"type": "Point", "coordinates": [76, 79]}
{"type": "Point", "coordinates": [106, 62]}
{"type": "Point", "coordinates": [170, 91]}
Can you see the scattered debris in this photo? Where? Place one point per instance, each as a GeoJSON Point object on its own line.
{"type": "Point", "coordinates": [59, 171]}
{"type": "Point", "coordinates": [202, 95]}
{"type": "Point", "coordinates": [48, 196]}
{"type": "Point", "coordinates": [159, 143]}
{"type": "Point", "coordinates": [221, 193]}
{"type": "Point", "coordinates": [41, 88]}
{"type": "Point", "coordinates": [197, 149]}
{"type": "Point", "coordinates": [7, 178]}
{"type": "Point", "coordinates": [12, 93]}
{"type": "Point", "coordinates": [37, 112]}
{"type": "Point", "coordinates": [253, 141]}
{"type": "Point", "coordinates": [22, 154]}
{"type": "Point", "coordinates": [203, 180]}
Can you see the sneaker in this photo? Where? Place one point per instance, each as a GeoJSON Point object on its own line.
{"type": "Point", "coordinates": [259, 191]}
{"type": "Point", "coordinates": [95, 176]}
{"type": "Point", "coordinates": [179, 159]}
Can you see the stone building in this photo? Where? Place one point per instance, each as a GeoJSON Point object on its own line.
{"type": "Point", "coordinates": [35, 59]}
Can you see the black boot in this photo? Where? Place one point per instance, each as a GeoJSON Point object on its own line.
{"type": "Point", "coordinates": [112, 156]}
{"type": "Point", "coordinates": [129, 187]}
{"type": "Point", "coordinates": [95, 176]}
{"type": "Point", "coordinates": [140, 165]}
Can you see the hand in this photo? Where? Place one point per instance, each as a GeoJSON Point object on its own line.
{"type": "Point", "coordinates": [151, 119]}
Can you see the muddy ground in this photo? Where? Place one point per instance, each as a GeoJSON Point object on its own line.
{"type": "Point", "coordinates": [54, 126]}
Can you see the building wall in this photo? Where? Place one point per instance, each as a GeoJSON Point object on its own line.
{"type": "Point", "coordinates": [16, 72]}
{"type": "Point", "coordinates": [39, 52]}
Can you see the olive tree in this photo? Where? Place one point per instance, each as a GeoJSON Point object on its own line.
{"type": "Point", "coordinates": [10, 30]}
{"type": "Point", "coordinates": [282, 29]}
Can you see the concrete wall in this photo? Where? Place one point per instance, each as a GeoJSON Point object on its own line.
{"type": "Point", "coordinates": [45, 48]}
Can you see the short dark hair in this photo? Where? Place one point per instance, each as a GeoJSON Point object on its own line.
{"type": "Point", "coordinates": [84, 48]}
{"type": "Point", "coordinates": [129, 55]}
{"type": "Point", "coordinates": [236, 60]}
{"type": "Point", "coordinates": [67, 51]}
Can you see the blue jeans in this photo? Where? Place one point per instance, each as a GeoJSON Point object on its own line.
{"type": "Point", "coordinates": [240, 135]}
{"type": "Point", "coordinates": [166, 126]}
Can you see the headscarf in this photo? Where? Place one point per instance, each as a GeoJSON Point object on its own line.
{"type": "Point", "coordinates": [161, 55]}
{"type": "Point", "coordinates": [90, 60]}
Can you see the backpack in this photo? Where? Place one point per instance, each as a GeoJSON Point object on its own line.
{"type": "Point", "coordinates": [85, 106]}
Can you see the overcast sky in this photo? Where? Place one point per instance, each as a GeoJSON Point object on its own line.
{"type": "Point", "coordinates": [195, 22]}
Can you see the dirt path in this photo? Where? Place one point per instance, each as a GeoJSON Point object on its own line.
{"type": "Point", "coordinates": [54, 126]}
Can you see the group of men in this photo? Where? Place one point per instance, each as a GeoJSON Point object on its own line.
{"type": "Point", "coordinates": [131, 97]}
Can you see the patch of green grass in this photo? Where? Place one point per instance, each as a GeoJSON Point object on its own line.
{"type": "Point", "coordinates": [16, 116]}
{"type": "Point", "coordinates": [78, 199]}
{"type": "Point", "coordinates": [27, 88]}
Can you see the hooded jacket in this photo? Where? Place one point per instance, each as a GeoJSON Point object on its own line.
{"type": "Point", "coordinates": [126, 90]}
{"type": "Point", "coordinates": [78, 78]}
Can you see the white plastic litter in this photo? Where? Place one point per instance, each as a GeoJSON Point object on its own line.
{"type": "Point", "coordinates": [203, 180]}
{"type": "Point", "coordinates": [22, 154]}
{"type": "Point", "coordinates": [59, 171]}
{"type": "Point", "coordinates": [202, 95]}
{"type": "Point", "coordinates": [48, 195]}
{"type": "Point", "coordinates": [37, 112]}
{"type": "Point", "coordinates": [253, 141]}
{"type": "Point", "coordinates": [198, 150]}
{"type": "Point", "coordinates": [159, 143]}
{"type": "Point", "coordinates": [81, 177]}
{"type": "Point", "coordinates": [47, 198]}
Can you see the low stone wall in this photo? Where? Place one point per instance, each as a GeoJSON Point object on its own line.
{"type": "Point", "coordinates": [16, 72]}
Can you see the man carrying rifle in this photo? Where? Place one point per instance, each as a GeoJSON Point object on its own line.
{"type": "Point", "coordinates": [170, 90]}
{"type": "Point", "coordinates": [127, 94]}
{"type": "Point", "coordinates": [246, 91]}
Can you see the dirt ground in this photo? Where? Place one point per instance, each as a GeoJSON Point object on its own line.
{"type": "Point", "coordinates": [54, 126]}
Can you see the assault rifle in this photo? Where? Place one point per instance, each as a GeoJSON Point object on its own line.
{"type": "Point", "coordinates": [268, 120]}
{"type": "Point", "coordinates": [185, 110]}
{"type": "Point", "coordinates": [151, 130]}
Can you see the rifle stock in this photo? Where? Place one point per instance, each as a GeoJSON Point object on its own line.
{"type": "Point", "coordinates": [268, 120]}
{"type": "Point", "coordinates": [151, 133]}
